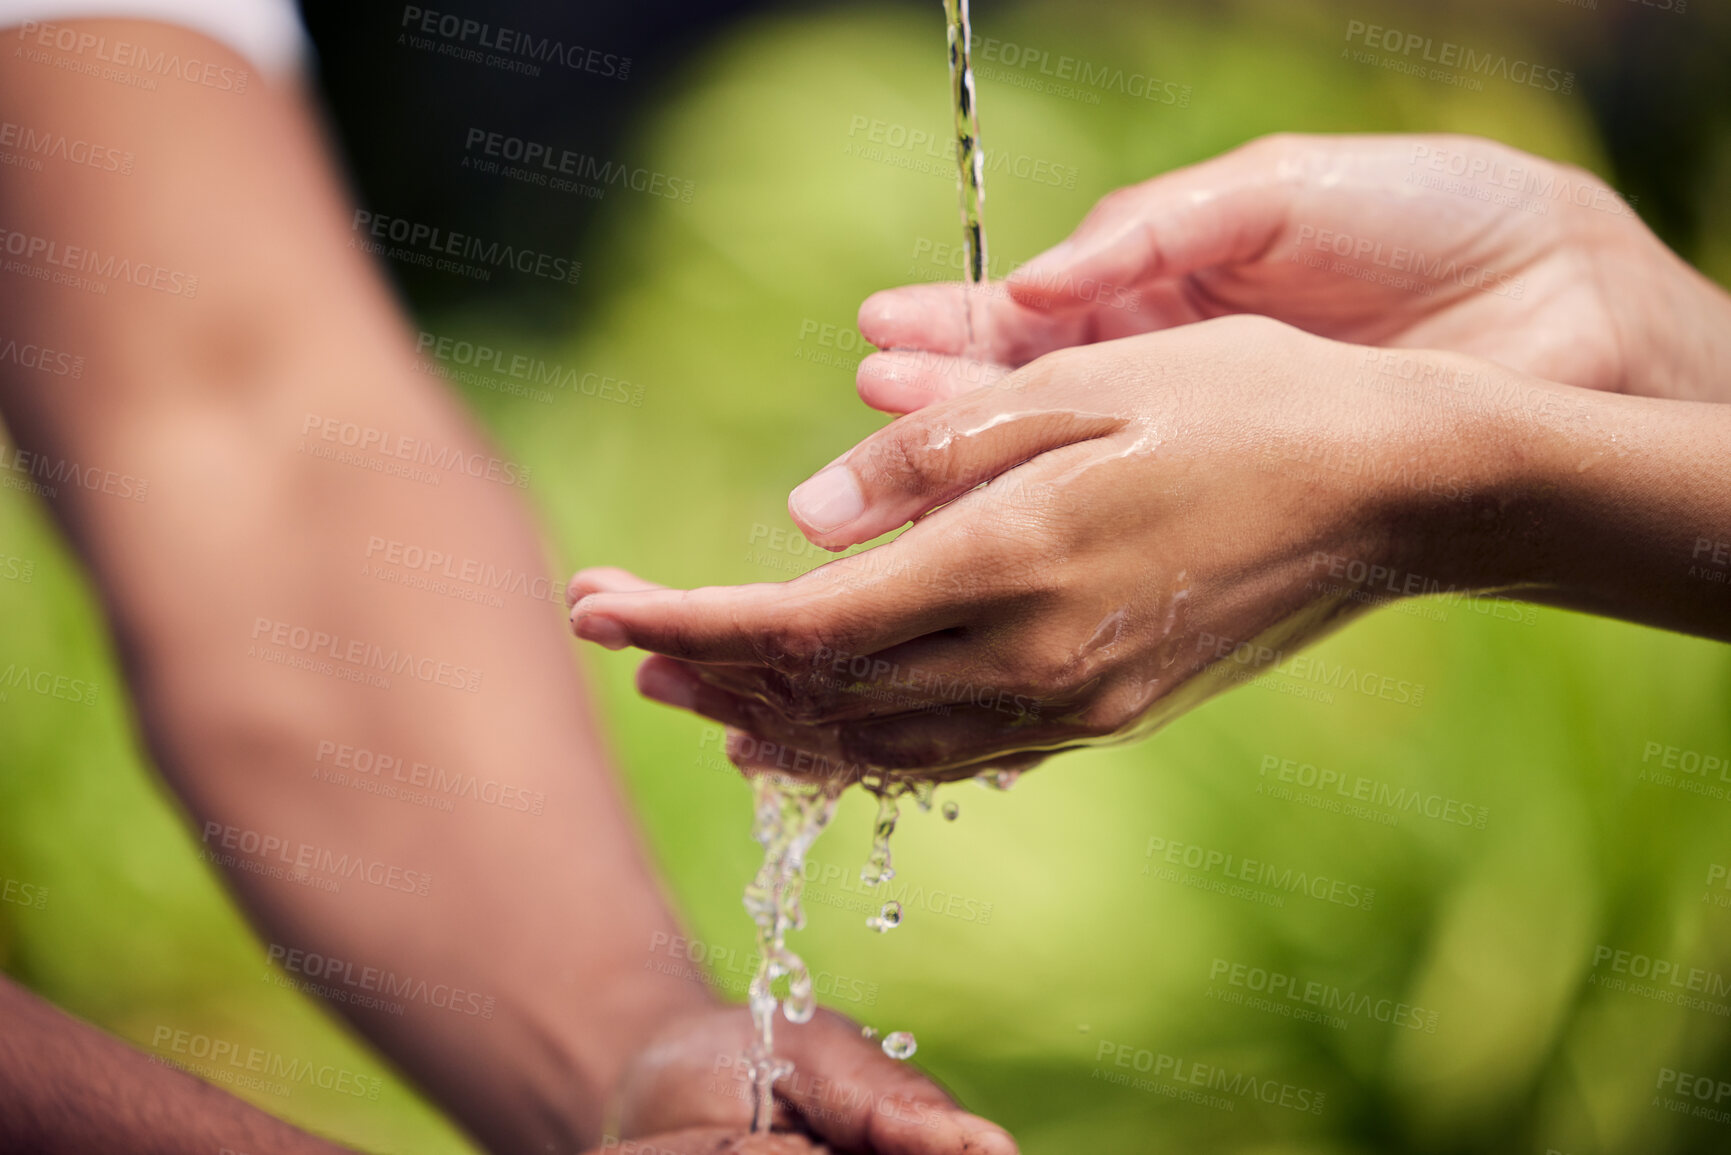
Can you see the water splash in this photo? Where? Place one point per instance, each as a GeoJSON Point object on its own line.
{"type": "Point", "coordinates": [788, 816]}
{"type": "Point", "coordinates": [879, 868]}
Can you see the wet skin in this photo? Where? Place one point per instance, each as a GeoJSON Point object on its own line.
{"type": "Point", "coordinates": [1120, 511]}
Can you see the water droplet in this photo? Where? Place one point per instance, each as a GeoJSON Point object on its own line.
{"type": "Point", "coordinates": [922, 792]}
{"type": "Point", "coordinates": [889, 919]}
{"type": "Point", "coordinates": [900, 1045]}
{"type": "Point", "coordinates": [878, 868]}
{"type": "Point", "coordinates": [868, 1032]}
{"type": "Point", "coordinates": [950, 811]}
{"type": "Point", "coordinates": [998, 779]}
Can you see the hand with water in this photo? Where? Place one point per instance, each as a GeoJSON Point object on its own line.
{"type": "Point", "coordinates": [1117, 531]}
{"type": "Point", "coordinates": [1440, 242]}
{"type": "Point", "coordinates": [843, 1092]}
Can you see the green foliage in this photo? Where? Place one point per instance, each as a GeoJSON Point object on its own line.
{"type": "Point", "coordinates": [717, 309]}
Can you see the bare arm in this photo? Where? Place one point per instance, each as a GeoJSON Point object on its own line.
{"type": "Point", "coordinates": [67, 1088]}
{"type": "Point", "coordinates": [511, 930]}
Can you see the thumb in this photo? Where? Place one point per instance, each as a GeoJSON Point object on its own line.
{"type": "Point", "coordinates": [931, 457]}
{"type": "Point", "coordinates": [1221, 212]}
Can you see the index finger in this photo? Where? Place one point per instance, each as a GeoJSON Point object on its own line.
{"type": "Point", "coordinates": [859, 604]}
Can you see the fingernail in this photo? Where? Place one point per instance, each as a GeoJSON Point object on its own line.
{"type": "Point", "coordinates": [603, 631]}
{"type": "Point", "coordinates": [660, 684]}
{"type": "Point", "coordinates": [828, 501]}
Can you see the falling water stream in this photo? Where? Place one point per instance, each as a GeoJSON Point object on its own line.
{"type": "Point", "coordinates": [970, 162]}
{"type": "Point", "coordinates": [790, 813]}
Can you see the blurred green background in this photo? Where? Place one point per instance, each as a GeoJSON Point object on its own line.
{"type": "Point", "coordinates": [1062, 954]}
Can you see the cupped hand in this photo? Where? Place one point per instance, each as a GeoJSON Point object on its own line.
{"type": "Point", "coordinates": [1434, 242]}
{"type": "Point", "coordinates": [1111, 534]}
{"type": "Point", "coordinates": [689, 1087]}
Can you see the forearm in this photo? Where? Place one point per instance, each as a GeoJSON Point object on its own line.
{"type": "Point", "coordinates": [246, 563]}
{"type": "Point", "coordinates": [68, 1089]}
{"type": "Point", "coordinates": [1612, 504]}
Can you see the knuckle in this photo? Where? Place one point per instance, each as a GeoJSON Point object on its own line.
{"type": "Point", "coordinates": [789, 645]}
{"type": "Point", "coordinates": [916, 461]}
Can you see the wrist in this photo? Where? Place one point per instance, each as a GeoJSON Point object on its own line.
{"type": "Point", "coordinates": [1473, 476]}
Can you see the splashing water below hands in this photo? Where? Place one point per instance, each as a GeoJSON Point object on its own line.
{"type": "Point", "coordinates": [789, 814]}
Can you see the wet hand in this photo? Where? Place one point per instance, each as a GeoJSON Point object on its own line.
{"type": "Point", "coordinates": [1103, 539]}
{"type": "Point", "coordinates": [1438, 242]}
{"type": "Point", "coordinates": [844, 1094]}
